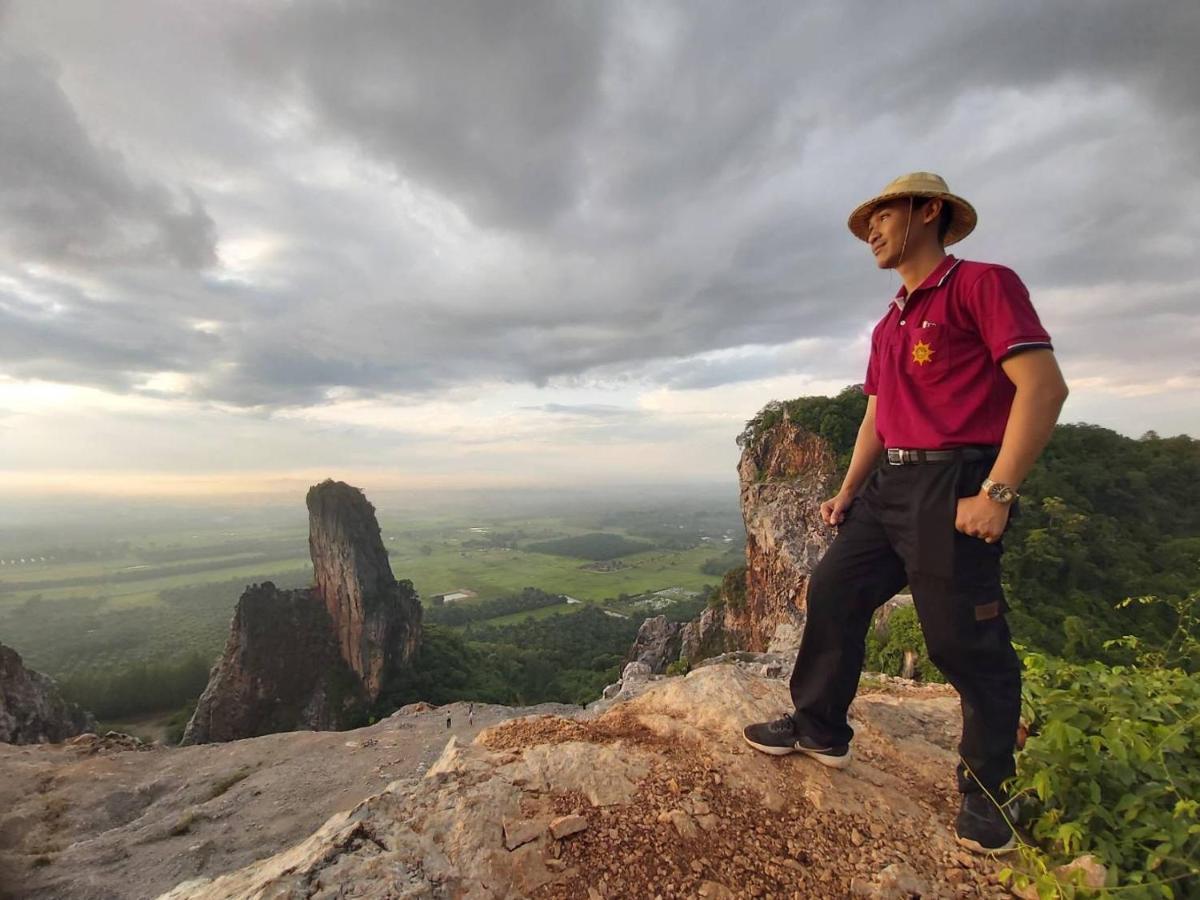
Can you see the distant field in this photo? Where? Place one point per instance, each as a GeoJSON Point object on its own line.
{"type": "Point", "coordinates": [593, 545]}
{"type": "Point", "coordinates": [142, 574]}
{"type": "Point", "coordinates": [120, 595]}
{"type": "Point", "coordinates": [103, 611]}
{"type": "Point", "coordinates": [492, 573]}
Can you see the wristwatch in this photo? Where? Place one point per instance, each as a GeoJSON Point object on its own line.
{"type": "Point", "coordinates": [1001, 493]}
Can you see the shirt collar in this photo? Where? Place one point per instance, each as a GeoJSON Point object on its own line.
{"type": "Point", "coordinates": [936, 278]}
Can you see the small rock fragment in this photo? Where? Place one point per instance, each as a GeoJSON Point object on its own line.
{"type": "Point", "coordinates": [1094, 872]}
{"type": "Point", "coordinates": [567, 825]}
{"type": "Point", "coordinates": [521, 831]}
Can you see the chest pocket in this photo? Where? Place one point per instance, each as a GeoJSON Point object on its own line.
{"type": "Point", "coordinates": [926, 350]}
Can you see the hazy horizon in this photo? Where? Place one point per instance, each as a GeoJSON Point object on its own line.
{"type": "Point", "coordinates": [434, 247]}
{"type": "Point", "coordinates": [56, 514]}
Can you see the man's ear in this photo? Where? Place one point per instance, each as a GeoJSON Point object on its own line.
{"type": "Point", "coordinates": [931, 210]}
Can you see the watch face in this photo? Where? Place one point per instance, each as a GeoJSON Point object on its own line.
{"type": "Point", "coordinates": [1000, 492]}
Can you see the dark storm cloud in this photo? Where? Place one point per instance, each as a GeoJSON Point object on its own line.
{"type": "Point", "coordinates": [484, 101]}
{"type": "Point", "coordinates": [64, 199]}
{"type": "Point", "coordinates": [65, 334]}
{"type": "Point", "coordinates": [633, 188]}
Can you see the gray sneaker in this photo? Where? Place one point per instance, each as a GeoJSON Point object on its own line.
{"type": "Point", "coordinates": [780, 737]}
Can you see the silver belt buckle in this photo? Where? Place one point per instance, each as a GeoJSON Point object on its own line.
{"type": "Point", "coordinates": [895, 456]}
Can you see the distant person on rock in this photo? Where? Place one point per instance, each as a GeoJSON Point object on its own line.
{"type": "Point", "coordinates": [447, 720]}
{"type": "Point", "coordinates": [963, 392]}
{"type": "Point", "coordinates": [471, 714]}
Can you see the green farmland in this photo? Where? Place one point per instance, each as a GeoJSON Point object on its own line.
{"type": "Point", "coordinates": [161, 594]}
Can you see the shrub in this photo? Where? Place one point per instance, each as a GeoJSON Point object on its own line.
{"type": "Point", "coordinates": [886, 655]}
{"type": "Point", "coordinates": [678, 667]}
{"type": "Point", "coordinates": [1112, 766]}
{"type": "Point", "coordinates": [733, 588]}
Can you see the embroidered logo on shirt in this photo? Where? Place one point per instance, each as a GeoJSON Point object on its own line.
{"type": "Point", "coordinates": [922, 353]}
{"type": "Point", "coordinates": [928, 324]}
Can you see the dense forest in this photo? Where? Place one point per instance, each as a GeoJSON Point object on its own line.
{"type": "Point", "coordinates": [564, 658]}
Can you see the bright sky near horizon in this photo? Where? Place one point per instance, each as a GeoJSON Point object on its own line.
{"type": "Point", "coordinates": [247, 246]}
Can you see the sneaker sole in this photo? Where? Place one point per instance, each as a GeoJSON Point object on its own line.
{"type": "Point", "coordinates": [833, 762]}
{"type": "Point", "coordinates": [976, 847]}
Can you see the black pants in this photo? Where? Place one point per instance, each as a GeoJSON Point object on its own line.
{"type": "Point", "coordinates": [899, 530]}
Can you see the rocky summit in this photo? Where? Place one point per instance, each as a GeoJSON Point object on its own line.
{"type": "Point", "coordinates": [318, 657]}
{"type": "Point", "coordinates": [651, 794]}
{"type": "Point", "coordinates": [654, 796]}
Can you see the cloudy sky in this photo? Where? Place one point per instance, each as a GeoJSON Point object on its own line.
{"type": "Point", "coordinates": [244, 245]}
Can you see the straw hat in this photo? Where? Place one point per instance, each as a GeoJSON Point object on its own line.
{"type": "Point", "coordinates": [919, 184]}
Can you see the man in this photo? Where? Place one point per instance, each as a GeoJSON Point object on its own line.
{"type": "Point", "coordinates": [963, 392]}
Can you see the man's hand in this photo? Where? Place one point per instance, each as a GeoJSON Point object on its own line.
{"type": "Point", "coordinates": [833, 510]}
{"type": "Point", "coordinates": [981, 516]}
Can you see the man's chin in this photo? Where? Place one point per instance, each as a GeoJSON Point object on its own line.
{"type": "Point", "coordinates": [885, 261]}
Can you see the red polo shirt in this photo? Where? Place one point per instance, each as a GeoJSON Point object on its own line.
{"type": "Point", "coordinates": [935, 356]}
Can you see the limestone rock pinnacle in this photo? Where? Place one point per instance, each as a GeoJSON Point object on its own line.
{"type": "Point", "coordinates": [315, 658]}
{"type": "Point", "coordinates": [376, 624]}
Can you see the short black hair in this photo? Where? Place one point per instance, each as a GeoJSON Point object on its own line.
{"type": "Point", "coordinates": [945, 218]}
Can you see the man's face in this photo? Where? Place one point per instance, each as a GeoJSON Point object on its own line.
{"type": "Point", "coordinates": [885, 232]}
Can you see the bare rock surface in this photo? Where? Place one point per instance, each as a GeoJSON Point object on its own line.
{"type": "Point", "coordinates": [655, 795]}
{"type": "Point", "coordinates": [109, 816]}
{"type": "Point", "coordinates": [31, 709]}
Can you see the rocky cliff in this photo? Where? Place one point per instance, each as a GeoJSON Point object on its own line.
{"type": "Point", "coordinates": [315, 658]}
{"type": "Point", "coordinates": [31, 710]}
{"type": "Point", "coordinates": [784, 474]}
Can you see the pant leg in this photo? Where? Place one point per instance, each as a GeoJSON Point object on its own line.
{"type": "Point", "coordinates": [968, 639]}
{"type": "Point", "coordinates": [858, 573]}
{"type": "Point", "coordinates": [977, 657]}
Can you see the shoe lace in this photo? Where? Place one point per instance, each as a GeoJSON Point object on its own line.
{"type": "Point", "coordinates": [784, 725]}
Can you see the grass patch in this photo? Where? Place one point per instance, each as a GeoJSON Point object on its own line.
{"type": "Point", "coordinates": [225, 782]}
{"type": "Point", "coordinates": [183, 824]}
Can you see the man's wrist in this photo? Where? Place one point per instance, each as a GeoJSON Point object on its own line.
{"type": "Point", "coordinates": [998, 491]}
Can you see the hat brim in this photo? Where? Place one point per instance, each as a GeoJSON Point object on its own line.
{"type": "Point", "coordinates": [961, 224]}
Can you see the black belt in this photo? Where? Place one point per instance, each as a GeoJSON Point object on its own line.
{"type": "Point", "coordinates": [899, 456]}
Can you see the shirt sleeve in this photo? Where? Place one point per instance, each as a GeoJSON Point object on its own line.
{"type": "Point", "coordinates": [998, 303]}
